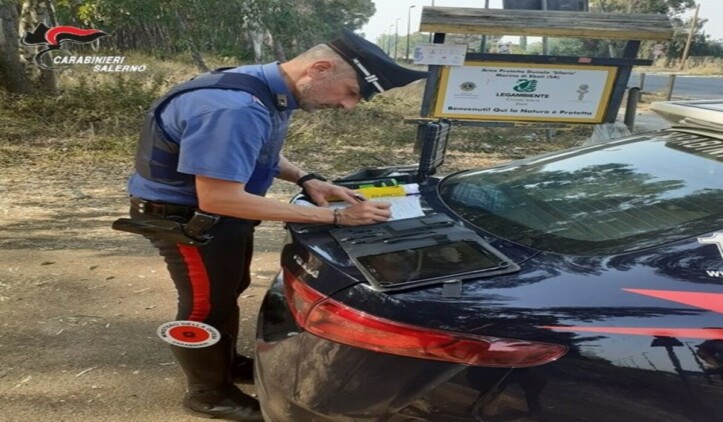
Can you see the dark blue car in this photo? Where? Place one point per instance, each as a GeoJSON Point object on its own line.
{"type": "Point", "coordinates": [584, 285]}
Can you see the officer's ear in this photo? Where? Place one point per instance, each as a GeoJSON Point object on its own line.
{"type": "Point", "coordinates": [320, 69]}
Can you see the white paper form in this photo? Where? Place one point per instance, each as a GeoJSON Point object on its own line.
{"type": "Point", "coordinates": [401, 206]}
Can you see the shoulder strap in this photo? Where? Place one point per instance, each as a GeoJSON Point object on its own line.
{"type": "Point", "coordinates": [157, 155]}
{"type": "Point", "coordinates": [218, 79]}
{"type": "Point", "coordinates": [248, 83]}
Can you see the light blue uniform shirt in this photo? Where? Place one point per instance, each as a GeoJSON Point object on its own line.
{"type": "Point", "coordinates": [223, 134]}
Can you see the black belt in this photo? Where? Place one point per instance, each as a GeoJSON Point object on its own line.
{"type": "Point", "coordinates": [161, 209]}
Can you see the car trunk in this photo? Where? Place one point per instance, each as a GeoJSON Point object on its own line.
{"type": "Point", "coordinates": [642, 330]}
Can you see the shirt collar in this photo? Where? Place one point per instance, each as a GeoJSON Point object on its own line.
{"type": "Point", "coordinates": [275, 79]}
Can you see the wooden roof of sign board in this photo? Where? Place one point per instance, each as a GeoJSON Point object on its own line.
{"type": "Point", "coordinates": [549, 23]}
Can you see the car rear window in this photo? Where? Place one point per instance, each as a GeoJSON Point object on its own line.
{"type": "Point", "coordinates": [615, 198]}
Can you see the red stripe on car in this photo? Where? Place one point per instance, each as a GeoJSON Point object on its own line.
{"type": "Point", "coordinates": [698, 333]}
{"type": "Point", "coordinates": [710, 301]}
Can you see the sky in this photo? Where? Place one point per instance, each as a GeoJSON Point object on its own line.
{"type": "Point", "coordinates": [388, 11]}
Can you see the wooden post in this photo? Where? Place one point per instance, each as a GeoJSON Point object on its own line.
{"type": "Point", "coordinates": [693, 25]}
{"type": "Point", "coordinates": [642, 85]}
{"type": "Point", "coordinates": [671, 85]}
{"type": "Point", "coordinates": [549, 133]}
{"type": "Point", "coordinates": [631, 108]}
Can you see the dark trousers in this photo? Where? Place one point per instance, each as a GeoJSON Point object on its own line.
{"type": "Point", "coordinates": [209, 278]}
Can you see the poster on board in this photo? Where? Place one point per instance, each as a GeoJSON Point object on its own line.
{"type": "Point", "coordinates": [563, 93]}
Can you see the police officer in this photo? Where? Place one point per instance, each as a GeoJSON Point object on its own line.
{"type": "Point", "coordinates": [214, 144]}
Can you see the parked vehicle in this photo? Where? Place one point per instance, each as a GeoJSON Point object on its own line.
{"type": "Point", "coordinates": [583, 285]}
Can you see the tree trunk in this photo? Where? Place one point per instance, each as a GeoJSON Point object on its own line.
{"type": "Point", "coordinates": [278, 49]}
{"type": "Point", "coordinates": [34, 12]}
{"type": "Point", "coordinates": [52, 16]}
{"type": "Point", "coordinates": [12, 72]}
{"type": "Point", "coordinates": [256, 40]}
{"type": "Point", "coordinates": [195, 52]}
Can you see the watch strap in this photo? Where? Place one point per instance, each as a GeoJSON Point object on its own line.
{"type": "Point", "coordinates": [308, 177]}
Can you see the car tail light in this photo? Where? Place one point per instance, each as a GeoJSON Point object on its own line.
{"type": "Point", "coordinates": [337, 322]}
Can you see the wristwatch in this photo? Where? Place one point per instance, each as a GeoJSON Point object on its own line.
{"type": "Point", "coordinates": [308, 177]}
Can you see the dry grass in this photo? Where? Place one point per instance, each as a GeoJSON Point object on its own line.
{"type": "Point", "coordinates": [96, 121]}
{"type": "Point", "coordinates": [375, 135]}
{"type": "Point", "coordinates": [704, 66]}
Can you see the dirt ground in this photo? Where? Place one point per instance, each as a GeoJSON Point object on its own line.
{"type": "Point", "coordinates": [80, 302]}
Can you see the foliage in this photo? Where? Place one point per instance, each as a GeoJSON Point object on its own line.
{"type": "Point", "coordinates": [111, 108]}
{"type": "Point", "coordinates": [670, 7]}
{"type": "Point", "coordinates": [216, 26]}
{"type": "Point", "coordinates": [387, 43]}
{"type": "Point", "coordinates": [702, 44]}
{"type": "Point", "coordinates": [97, 119]}
{"type": "Point", "coordinates": [675, 9]}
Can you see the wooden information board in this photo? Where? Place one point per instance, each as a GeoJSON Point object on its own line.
{"type": "Point", "coordinates": [562, 93]}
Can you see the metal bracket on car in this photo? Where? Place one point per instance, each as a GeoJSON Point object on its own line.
{"type": "Point", "coordinates": [452, 289]}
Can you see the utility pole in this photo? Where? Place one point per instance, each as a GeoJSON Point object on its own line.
{"type": "Point", "coordinates": [409, 23]}
{"type": "Point", "coordinates": [430, 34]}
{"type": "Point", "coordinates": [693, 26]}
{"type": "Point", "coordinates": [396, 37]}
{"type": "Point", "coordinates": [483, 41]}
{"type": "Point", "coordinates": [545, 45]}
{"type": "Point", "coordinates": [389, 40]}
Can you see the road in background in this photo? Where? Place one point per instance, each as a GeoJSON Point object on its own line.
{"type": "Point", "coordinates": [692, 87]}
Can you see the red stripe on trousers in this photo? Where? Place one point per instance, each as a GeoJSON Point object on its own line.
{"type": "Point", "coordinates": [200, 285]}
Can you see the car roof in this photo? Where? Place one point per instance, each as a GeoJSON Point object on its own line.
{"type": "Point", "coordinates": [699, 114]}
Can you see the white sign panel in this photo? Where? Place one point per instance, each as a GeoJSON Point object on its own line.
{"type": "Point", "coordinates": [525, 92]}
{"type": "Point", "coordinates": [440, 54]}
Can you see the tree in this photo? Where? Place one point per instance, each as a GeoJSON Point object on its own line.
{"type": "Point", "coordinates": [239, 28]}
{"type": "Point", "coordinates": [34, 12]}
{"type": "Point", "coordinates": [228, 27]}
{"type": "Point", "coordinates": [299, 24]}
{"type": "Point", "coordinates": [18, 72]}
{"type": "Point", "coordinates": [675, 9]}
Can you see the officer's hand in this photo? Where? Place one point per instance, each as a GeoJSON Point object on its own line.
{"type": "Point", "coordinates": [320, 192]}
{"type": "Point", "coordinates": [367, 212]}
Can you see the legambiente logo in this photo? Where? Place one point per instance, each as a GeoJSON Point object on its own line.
{"type": "Point", "coordinates": [53, 56]}
{"type": "Point", "coordinates": [525, 85]}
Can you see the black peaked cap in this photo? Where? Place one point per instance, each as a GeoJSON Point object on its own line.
{"type": "Point", "coordinates": [376, 71]}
